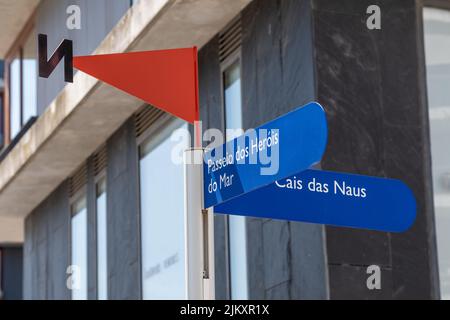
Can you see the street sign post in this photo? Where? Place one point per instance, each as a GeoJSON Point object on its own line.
{"type": "Point", "coordinates": [331, 198]}
{"type": "Point", "coordinates": [275, 150]}
{"type": "Point", "coordinates": [199, 232]}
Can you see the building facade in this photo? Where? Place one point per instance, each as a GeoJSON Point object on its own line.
{"type": "Point", "coordinates": [86, 181]}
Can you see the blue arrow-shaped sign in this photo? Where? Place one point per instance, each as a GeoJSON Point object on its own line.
{"type": "Point", "coordinates": [278, 149]}
{"type": "Point", "coordinates": [331, 198]}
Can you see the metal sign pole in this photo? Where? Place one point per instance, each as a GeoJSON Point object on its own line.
{"type": "Point", "coordinates": [209, 292]}
{"type": "Point", "coordinates": [199, 231]}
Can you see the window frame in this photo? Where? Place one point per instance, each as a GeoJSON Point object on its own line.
{"type": "Point", "coordinates": [2, 118]}
{"type": "Point", "coordinates": [97, 180]}
{"type": "Point", "coordinates": [1, 274]}
{"type": "Point", "coordinates": [16, 55]}
{"type": "Point", "coordinates": [15, 49]}
{"type": "Point", "coordinates": [229, 61]}
{"type": "Point", "coordinates": [77, 196]}
{"type": "Point", "coordinates": [140, 141]}
{"type": "Point", "coordinates": [153, 132]}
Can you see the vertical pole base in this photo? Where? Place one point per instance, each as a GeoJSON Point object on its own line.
{"type": "Point", "coordinates": [199, 231]}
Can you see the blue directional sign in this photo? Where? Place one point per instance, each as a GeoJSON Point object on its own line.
{"type": "Point", "coordinates": [277, 149]}
{"type": "Point", "coordinates": [331, 198]}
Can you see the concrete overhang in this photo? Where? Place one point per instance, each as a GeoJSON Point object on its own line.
{"type": "Point", "coordinates": [87, 111]}
{"type": "Point", "coordinates": [11, 230]}
{"type": "Point", "coordinates": [14, 14]}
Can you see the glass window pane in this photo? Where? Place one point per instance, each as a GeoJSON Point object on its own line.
{"type": "Point", "coordinates": [162, 219]}
{"type": "Point", "coordinates": [238, 257]}
{"type": "Point", "coordinates": [29, 65]}
{"type": "Point", "coordinates": [102, 269]}
{"type": "Point", "coordinates": [14, 76]}
{"type": "Point", "coordinates": [236, 224]}
{"type": "Point", "coordinates": [79, 250]}
{"type": "Point", "coordinates": [437, 49]}
{"type": "Point", "coordinates": [2, 137]}
{"type": "Point", "coordinates": [232, 95]}
{"type": "Point", "coordinates": [1, 272]}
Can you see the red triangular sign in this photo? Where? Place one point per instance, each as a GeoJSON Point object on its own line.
{"type": "Point", "coordinates": [166, 79]}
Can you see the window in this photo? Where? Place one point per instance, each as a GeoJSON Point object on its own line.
{"type": "Point", "coordinates": [437, 51]}
{"type": "Point", "coordinates": [102, 267]}
{"type": "Point", "coordinates": [236, 224]}
{"type": "Point", "coordinates": [2, 137]}
{"type": "Point", "coordinates": [162, 217]}
{"type": "Point", "coordinates": [29, 78]}
{"type": "Point", "coordinates": [22, 68]}
{"type": "Point", "coordinates": [79, 249]}
{"type": "Point", "coordinates": [2, 110]}
{"type": "Point", "coordinates": [1, 275]}
{"type": "Point", "coordinates": [15, 96]}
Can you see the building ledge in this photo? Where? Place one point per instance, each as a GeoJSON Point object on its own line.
{"type": "Point", "coordinates": [87, 111]}
{"type": "Point", "coordinates": [13, 18]}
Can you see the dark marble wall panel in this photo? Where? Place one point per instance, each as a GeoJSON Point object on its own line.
{"type": "Point", "coordinates": [210, 96]}
{"type": "Point", "coordinates": [40, 289]}
{"type": "Point", "coordinates": [27, 259]}
{"type": "Point", "coordinates": [58, 262]}
{"type": "Point", "coordinates": [350, 282]}
{"type": "Point", "coordinates": [123, 214]}
{"type": "Point", "coordinates": [279, 292]}
{"type": "Point", "coordinates": [255, 254]}
{"type": "Point", "coordinates": [309, 279]}
{"type": "Point", "coordinates": [46, 248]}
{"type": "Point", "coordinates": [358, 247]}
{"type": "Point", "coordinates": [276, 242]}
{"type": "Point", "coordinates": [262, 39]}
{"type": "Point", "coordinates": [371, 84]}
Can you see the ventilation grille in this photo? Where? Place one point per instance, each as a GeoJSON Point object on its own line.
{"type": "Point", "coordinates": [145, 117]}
{"type": "Point", "coordinates": [78, 180]}
{"type": "Point", "coordinates": [230, 39]}
{"type": "Point", "coordinates": [100, 160]}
